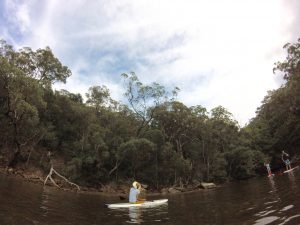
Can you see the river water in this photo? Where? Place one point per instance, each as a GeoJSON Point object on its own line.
{"type": "Point", "coordinates": [263, 200]}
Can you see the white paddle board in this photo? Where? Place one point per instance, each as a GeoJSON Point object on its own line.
{"type": "Point", "coordinates": [290, 169]}
{"type": "Point", "coordinates": [144, 204]}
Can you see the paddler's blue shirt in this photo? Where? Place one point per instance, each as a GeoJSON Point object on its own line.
{"type": "Point", "coordinates": [133, 194]}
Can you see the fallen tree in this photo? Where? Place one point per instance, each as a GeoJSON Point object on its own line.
{"type": "Point", "coordinates": [49, 176]}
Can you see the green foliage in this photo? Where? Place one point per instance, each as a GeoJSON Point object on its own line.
{"type": "Point", "coordinates": [136, 155]}
{"type": "Point", "coordinates": [277, 123]}
{"type": "Point", "coordinates": [176, 120]}
{"type": "Point", "coordinates": [98, 96]}
{"type": "Point", "coordinates": [154, 139]}
{"type": "Point", "coordinates": [173, 168]}
{"type": "Point", "coordinates": [42, 65]}
{"type": "Point", "coordinates": [218, 171]}
{"type": "Point", "coordinates": [145, 99]}
{"type": "Point", "coordinates": [243, 162]}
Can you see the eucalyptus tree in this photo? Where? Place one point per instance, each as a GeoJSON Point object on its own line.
{"type": "Point", "coordinates": [219, 136]}
{"type": "Point", "coordinates": [21, 97]}
{"type": "Point", "coordinates": [199, 146]}
{"type": "Point", "coordinates": [24, 75]}
{"type": "Point", "coordinates": [78, 136]}
{"type": "Point", "coordinates": [174, 169]}
{"type": "Point", "coordinates": [136, 156]}
{"type": "Point", "coordinates": [42, 66]}
{"type": "Point", "coordinates": [117, 120]}
{"type": "Point", "coordinates": [175, 119]}
{"type": "Point", "coordinates": [277, 123]}
{"type": "Point", "coordinates": [144, 99]}
{"type": "Point", "coordinates": [177, 123]}
{"type": "Point", "coordinates": [120, 125]}
{"type": "Point", "coordinates": [290, 95]}
{"type": "Point", "coordinates": [224, 127]}
{"type": "Point", "coordinates": [157, 137]}
{"type": "Point", "coordinates": [98, 96]}
{"type": "Point", "coordinates": [290, 67]}
{"type": "Point", "coordinates": [73, 97]}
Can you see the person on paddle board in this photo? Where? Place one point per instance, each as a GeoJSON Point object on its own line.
{"type": "Point", "coordinates": [134, 192]}
{"type": "Point", "coordinates": [286, 160]}
{"type": "Point", "coordinates": [267, 165]}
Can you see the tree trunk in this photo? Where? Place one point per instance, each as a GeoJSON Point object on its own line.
{"type": "Point", "coordinates": [14, 160]}
{"type": "Point", "coordinates": [49, 176]}
{"type": "Point", "coordinates": [15, 157]}
{"type": "Point", "coordinates": [28, 158]}
{"type": "Point", "coordinates": [179, 148]}
{"type": "Point", "coordinates": [115, 168]}
{"type": "Point", "coordinates": [156, 169]}
{"type": "Point", "coordinates": [207, 168]}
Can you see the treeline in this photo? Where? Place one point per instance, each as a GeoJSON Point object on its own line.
{"type": "Point", "coordinates": [276, 126]}
{"type": "Point", "coordinates": [154, 138]}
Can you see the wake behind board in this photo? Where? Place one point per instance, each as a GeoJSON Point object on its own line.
{"type": "Point", "coordinates": [291, 169]}
{"type": "Point", "coordinates": [153, 203]}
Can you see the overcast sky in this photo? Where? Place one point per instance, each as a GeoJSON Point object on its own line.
{"type": "Point", "coordinates": [218, 52]}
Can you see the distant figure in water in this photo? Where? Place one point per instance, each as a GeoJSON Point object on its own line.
{"type": "Point", "coordinates": [134, 193]}
{"type": "Point", "coordinates": [286, 160]}
{"type": "Point", "coordinates": [267, 165]}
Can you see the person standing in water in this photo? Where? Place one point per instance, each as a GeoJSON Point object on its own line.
{"type": "Point", "coordinates": [267, 165]}
{"type": "Point", "coordinates": [286, 160]}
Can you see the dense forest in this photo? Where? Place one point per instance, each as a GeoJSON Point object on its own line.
{"type": "Point", "coordinates": [153, 138]}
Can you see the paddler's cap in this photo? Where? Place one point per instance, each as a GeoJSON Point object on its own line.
{"type": "Point", "coordinates": [136, 185]}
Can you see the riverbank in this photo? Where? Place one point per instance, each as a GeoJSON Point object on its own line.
{"type": "Point", "coordinates": [34, 175]}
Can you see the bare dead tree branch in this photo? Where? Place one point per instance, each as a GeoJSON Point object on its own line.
{"type": "Point", "coordinates": [49, 176]}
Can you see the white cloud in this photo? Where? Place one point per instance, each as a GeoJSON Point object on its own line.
{"type": "Point", "coordinates": [219, 52]}
{"type": "Point", "coordinates": [20, 16]}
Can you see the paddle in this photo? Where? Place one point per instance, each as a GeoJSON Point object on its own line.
{"type": "Point", "coordinates": [126, 198]}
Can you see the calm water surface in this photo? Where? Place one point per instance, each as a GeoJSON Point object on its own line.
{"type": "Point", "coordinates": [263, 200]}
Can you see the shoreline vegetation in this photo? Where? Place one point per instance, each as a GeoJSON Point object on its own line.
{"type": "Point", "coordinates": [97, 142]}
{"type": "Point", "coordinates": [114, 190]}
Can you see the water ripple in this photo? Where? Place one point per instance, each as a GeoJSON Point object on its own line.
{"type": "Point", "coordinates": [290, 218]}
{"type": "Point", "coordinates": [266, 220]}
{"type": "Point", "coordinates": [287, 208]}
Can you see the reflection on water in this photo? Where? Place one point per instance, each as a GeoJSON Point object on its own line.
{"type": "Point", "coordinates": [266, 220]}
{"type": "Point", "coordinates": [292, 179]}
{"type": "Point", "coordinates": [141, 215]}
{"type": "Point", "coordinates": [265, 200]}
{"type": "Point", "coordinates": [44, 202]}
{"type": "Point", "coordinates": [273, 214]}
{"type": "Point", "coordinates": [272, 184]}
{"type": "Point", "coordinates": [135, 214]}
{"type": "Point", "coordinates": [290, 219]}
